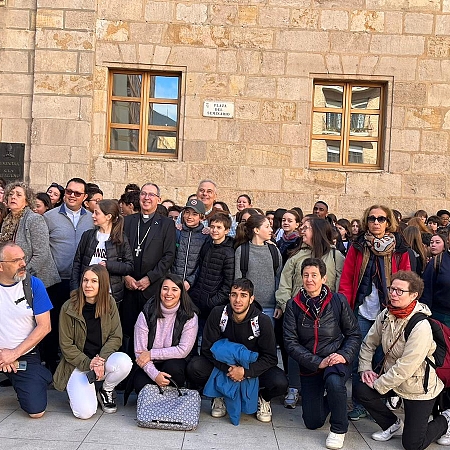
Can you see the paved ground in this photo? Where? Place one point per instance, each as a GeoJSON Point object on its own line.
{"type": "Point", "coordinates": [58, 429]}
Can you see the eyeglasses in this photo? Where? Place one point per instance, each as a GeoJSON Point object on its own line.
{"type": "Point", "coordinates": [303, 229]}
{"type": "Point", "coordinates": [380, 219]}
{"type": "Point", "coordinates": [148, 195]}
{"type": "Point", "coordinates": [15, 260]}
{"type": "Point", "coordinates": [69, 192]}
{"type": "Point", "coordinates": [398, 291]}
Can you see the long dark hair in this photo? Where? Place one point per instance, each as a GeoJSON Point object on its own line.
{"type": "Point", "coordinates": [322, 237]}
{"type": "Point", "coordinates": [254, 221]}
{"type": "Point", "coordinates": [186, 304]}
{"type": "Point", "coordinates": [112, 207]}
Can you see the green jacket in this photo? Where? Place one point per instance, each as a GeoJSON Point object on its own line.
{"type": "Point", "coordinates": [72, 337]}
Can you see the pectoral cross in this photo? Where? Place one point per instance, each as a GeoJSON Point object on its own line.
{"type": "Point", "coordinates": [138, 250]}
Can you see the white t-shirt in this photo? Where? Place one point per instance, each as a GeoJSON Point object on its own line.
{"type": "Point", "coordinates": [100, 252]}
{"type": "Point", "coordinates": [370, 307]}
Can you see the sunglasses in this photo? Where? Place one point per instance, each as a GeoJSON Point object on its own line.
{"type": "Point", "coordinates": [69, 192]}
{"type": "Point", "coordinates": [380, 219]}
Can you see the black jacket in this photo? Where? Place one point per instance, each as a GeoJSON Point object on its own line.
{"type": "Point", "coordinates": [309, 341]}
{"type": "Point", "coordinates": [189, 244]}
{"type": "Point", "coordinates": [216, 274]}
{"type": "Point", "coordinates": [242, 333]}
{"type": "Point", "coordinates": [436, 278]}
{"type": "Point", "coordinates": [119, 261]}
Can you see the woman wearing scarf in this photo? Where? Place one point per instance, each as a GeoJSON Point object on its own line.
{"type": "Point", "coordinates": [403, 369]}
{"type": "Point", "coordinates": [290, 238]}
{"type": "Point", "coordinates": [321, 334]}
{"type": "Point", "coordinates": [371, 261]}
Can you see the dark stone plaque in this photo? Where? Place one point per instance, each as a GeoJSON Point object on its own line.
{"type": "Point", "coordinates": [11, 161]}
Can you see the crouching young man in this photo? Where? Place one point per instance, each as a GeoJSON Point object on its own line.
{"type": "Point", "coordinates": [241, 321]}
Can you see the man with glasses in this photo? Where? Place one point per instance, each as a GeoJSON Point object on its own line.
{"type": "Point", "coordinates": [152, 239]}
{"type": "Point", "coordinates": [66, 224]}
{"type": "Point", "coordinates": [25, 320]}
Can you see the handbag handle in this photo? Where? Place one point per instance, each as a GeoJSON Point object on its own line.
{"type": "Point", "coordinates": [161, 391]}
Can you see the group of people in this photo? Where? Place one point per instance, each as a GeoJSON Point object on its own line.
{"type": "Point", "coordinates": [110, 291]}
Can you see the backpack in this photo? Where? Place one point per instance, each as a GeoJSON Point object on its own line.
{"type": "Point", "coordinates": [441, 336]}
{"type": "Point", "coordinates": [245, 255]}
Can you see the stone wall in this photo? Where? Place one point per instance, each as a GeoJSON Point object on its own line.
{"type": "Point", "coordinates": [261, 55]}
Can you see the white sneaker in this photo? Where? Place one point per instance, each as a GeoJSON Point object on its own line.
{"type": "Point", "coordinates": [264, 413]}
{"type": "Point", "coordinates": [291, 399]}
{"type": "Point", "coordinates": [335, 441]}
{"type": "Point", "coordinates": [393, 430]}
{"type": "Point", "coordinates": [445, 438]}
{"type": "Point", "coordinates": [218, 408]}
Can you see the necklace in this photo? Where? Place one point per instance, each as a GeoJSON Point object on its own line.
{"type": "Point", "coordinates": [138, 248]}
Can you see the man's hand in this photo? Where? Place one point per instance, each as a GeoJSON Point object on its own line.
{"type": "Point", "coordinates": [187, 286]}
{"type": "Point", "coordinates": [7, 356]}
{"type": "Point", "coordinates": [236, 373]}
{"type": "Point", "coordinates": [336, 358]}
{"type": "Point", "coordinates": [369, 377]}
{"type": "Point", "coordinates": [130, 283]}
{"type": "Point", "coordinates": [324, 363]}
{"type": "Point", "coordinates": [143, 283]}
{"type": "Point", "coordinates": [9, 368]}
{"type": "Point", "coordinates": [278, 313]}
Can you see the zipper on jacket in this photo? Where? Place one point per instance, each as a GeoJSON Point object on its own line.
{"type": "Point", "coordinates": [187, 255]}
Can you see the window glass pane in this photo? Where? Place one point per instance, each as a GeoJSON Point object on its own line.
{"type": "Point", "coordinates": [164, 87]}
{"type": "Point", "coordinates": [364, 125]}
{"type": "Point", "coordinates": [162, 114]}
{"type": "Point", "coordinates": [365, 97]}
{"type": "Point", "coordinates": [126, 112]}
{"type": "Point", "coordinates": [363, 152]}
{"type": "Point", "coordinates": [162, 142]}
{"type": "Point", "coordinates": [328, 96]}
{"type": "Point", "coordinates": [124, 140]}
{"type": "Point", "coordinates": [325, 150]}
{"type": "Point", "coordinates": [327, 123]}
{"type": "Point", "coordinates": [126, 85]}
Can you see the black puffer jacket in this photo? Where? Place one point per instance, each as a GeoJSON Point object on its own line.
{"type": "Point", "coordinates": [216, 274]}
{"type": "Point", "coordinates": [119, 261]}
{"type": "Point", "coordinates": [189, 244]}
{"type": "Point", "coordinates": [309, 340]}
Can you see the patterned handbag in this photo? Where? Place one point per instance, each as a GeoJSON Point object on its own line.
{"type": "Point", "coordinates": [168, 408]}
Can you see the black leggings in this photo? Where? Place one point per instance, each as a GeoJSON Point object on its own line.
{"type": "Point", "coordinates": [174, 367]}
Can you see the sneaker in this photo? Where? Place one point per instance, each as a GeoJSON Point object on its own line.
{"type": "Point", "coordinates": [291, 399]}
{"type": "Point", "coordinates": [357, 413]}
{"type": "Point", "coordinates": [106, 400]}
{"type": "Point", "coordinates": [334, 440]}
{"type": "Point", "coordinates": [393, 430]}
{"type": "Point", "coordinates": [218, 408]}
{"type": "Point", "coordinates": [445, 438]}
{"type": "Point", "coordinates": [264, 413]}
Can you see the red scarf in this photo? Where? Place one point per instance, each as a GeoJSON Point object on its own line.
{"type": "Point", "coordinates": [401, 313]}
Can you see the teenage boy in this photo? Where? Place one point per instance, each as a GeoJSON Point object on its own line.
{"type": "Point", "coordinates": [190, 240]}
{"type": "Point", "coordinates": [241, 321]}
{"type": "Point", "coordinates": [216, 268]}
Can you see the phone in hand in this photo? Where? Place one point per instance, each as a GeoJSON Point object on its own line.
{"type": "Point", "coordinates": [21, 365]}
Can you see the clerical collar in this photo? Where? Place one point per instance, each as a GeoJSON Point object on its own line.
{"type": "Point", "coordinates": [146, 217]}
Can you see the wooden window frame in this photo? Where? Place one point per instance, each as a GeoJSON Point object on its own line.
{"type": "Point", "coordinates": [344, 138]}
{"type": "Point", "coordinates": [143, 127]}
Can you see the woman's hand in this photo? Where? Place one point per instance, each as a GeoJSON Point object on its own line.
{"type": "Point", "coordinates": [368, 377]}
{"type": "Point", "coordinates": [98, 366]}
{"type": "Point", "coordinates": [99, 372]}
{"type": "Point", "coordinates": [163, 379]}
{"type": "Point", "coordinates": [144, 358]}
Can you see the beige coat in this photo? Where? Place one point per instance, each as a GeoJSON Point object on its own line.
{"type": "Point", "coordinates": [405, 365]}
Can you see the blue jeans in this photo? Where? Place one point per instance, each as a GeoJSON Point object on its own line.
{"type": "Point", "coordinates": [316, 406]}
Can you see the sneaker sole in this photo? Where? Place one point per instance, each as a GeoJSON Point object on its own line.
{"type": "Point", "coordinates": [355, 419]}
{"type": "Point", "coordinates": [290, 406]}
{"type": "Point", "coordinates": [264, 419]}
{"type": "Point", "coordinates": [218, 415]}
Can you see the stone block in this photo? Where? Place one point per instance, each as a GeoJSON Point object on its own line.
{"type": "Point", "coordinates": [66, 4]}
{"type": "Point", "coordinates": [293, 134]}
{"type": "Point", "coordinates": [438, 46]}
{"type": "Point", "coordinates": [274, 17]}
{"type": "Point", "coordinates": [307, 18]}
{"type": "Point", "coordinates": [38, 173]}
{"type": "Point", "coordinates": [64, 40]}
{"type": "Point", "coordinates": [237, 85]}
{"type": "Point", "coordinates": [61, 132]}
{"type": "Point", "coordinates": [106, 51]}
{"type": "Point", "coordinates": [247, 15]}
{"type": "Point", "coordinates": [195, 59]}
{"type": "Point", "coordinates": [422, 5]}
{"type": "Point", "coordinates": [194, 151]}
{"type": "Point", "coordinates": [368, 64]}
{"type": "Point", "coordinates": [121, 10]}
{"type": "Point", "coordinates": [430, 70]}
{"type": "Point", "coordinates": [17, 39]}
{"type": "Point", "coordinates": [86, 109]}
{"type": "Point", "coordinates": [398, 117]}
{"type": "Point", "coordinates": [427, 187]}
{"type": "Point", "coordinates": [266, 156]}
{"type": "Point", "coordinates": [446, 6]}
{"type": "Point", "coordinates": [336, 4]}
{"type": "Point", "coordinates": [247, 109]}
{"type": "Point", "coordinates": [439, 95]}
{"type": "Point", "coordinates": [146, 33]}
{"type": "Point", "coordinates": [350, 64]}
{"type": "Point", "coordinates": [56, 61]}
{"type": "Point", "coordinates": [99, 121]}
{"type": "Point", "coordinates": [405, 140]}
{"type": "Point", "coordinates": [51, 154]}
{"type": "Point", "coordinates": [86, 63]}
{"type": "Point", "coordinates": [259, 133]}
{"type": "Point", "coordinates": [194, 13]}
{"type": "Point", "coordinates": [227, 153]}
{"type": "Point", "coordinates": [56, 107]}
{"type": "Point", "coordinates": [252, 38]}
{"type": "Point", "coordinates": [17, 83]}
{"type": "Point", "coordinates": [277, 111]}
{"type": "Point", "coordinates": [255, 177]}
{"type": "Point", "coordinates": [197, 35]}
{"type": "Point", "coordinates": [14, 61]}
{"type": "Point", "coordinates": [159, 11]}
{"type": "Point", "coordinates": [229, 131]}
{"type": "Point", "coordinates": [79, 20]}
{"type": "Point", "coordinates": [201, 129]}
{"type": "Point", "coordinates": [333, 63]}
{"type": "Point", "coordinates": [393, 22]}
{"type": "Point", "coordinates": [304, 41]}
{"type": "Point", "coordinates": [128, 53]}
{"type": "Point", "coordinates": [353, 43]}
{"type": "Point", "coordinates": [77, 154]}
{"type": "Point", "coordinates": [423, 118]}
{"type": "Point", "coordinates": [387, 4]}
{"type": "Point", "coordinates": [430, 163]}
{"type": "Point", "coordinates": [443, 25]}
{"type": "Point", "coordinates": [176, 174]}
{"type": "Point", "coordinates": [145, 53]}
{"type": "Point", "coordinates": [291, 88]}
{"type": "Point", "coordinates": [399, 162]}
{"type": "Point", "coordinates": [367, 21]}
{"type": "Point", "coordinates": [223, 14]}
{"type": "Point", "coordinates": [273, 63]}
{"type": "Point", "coordinates": [417, 23]}
{"type": "Point", "coordinates": [10, 107]}
{"type": "Point", "coordinates": [227, 61]}
{"type": "Point", "coordinates": [49, 18]}
{"type": "Point", "coordinates": [116, 31]}
{"type": "Point", "coordinates": [402, 69]}
{"type": "Point", "coordinates": [372, 184]}
{"type": "Point", "coordinates": [62, 84]}
{"type": "Point", "coordinates": [18, 19]}
{"type": "Point", "coordinates": [434, 142]}
{"type": "Point", "coordinates": [414, 94]}
{"type": "Point", "coordinates": [15, 130]}
{"type": "Point", "coordinates": [301, 64]}
{"type": "Point", "coordinates": [333, 20]}
{"type": "Point", "coordinates": [214, 85]}
{"type": "Point", "coordinates": [397, 45]}
{"type": "Point", "coordinates": [193, 106]}
{"type": "Point", "coordinates": [161, 55]}
{"type": "Point", "coordinates": [249, 61]}
{"type": "Point", "coordinates": [224, 176]}
{"type": "Point", "coordinates": [261, 87]}
{"type": "Point", "coordinates": [446, 124]}
{"type": "Point", "coordinates": [70, 171]}
{"type": "Point", "coordinates": [27, 103]}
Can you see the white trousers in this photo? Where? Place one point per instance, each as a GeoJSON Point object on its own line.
{"type": "Point", "coordinates": [82, 395]}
